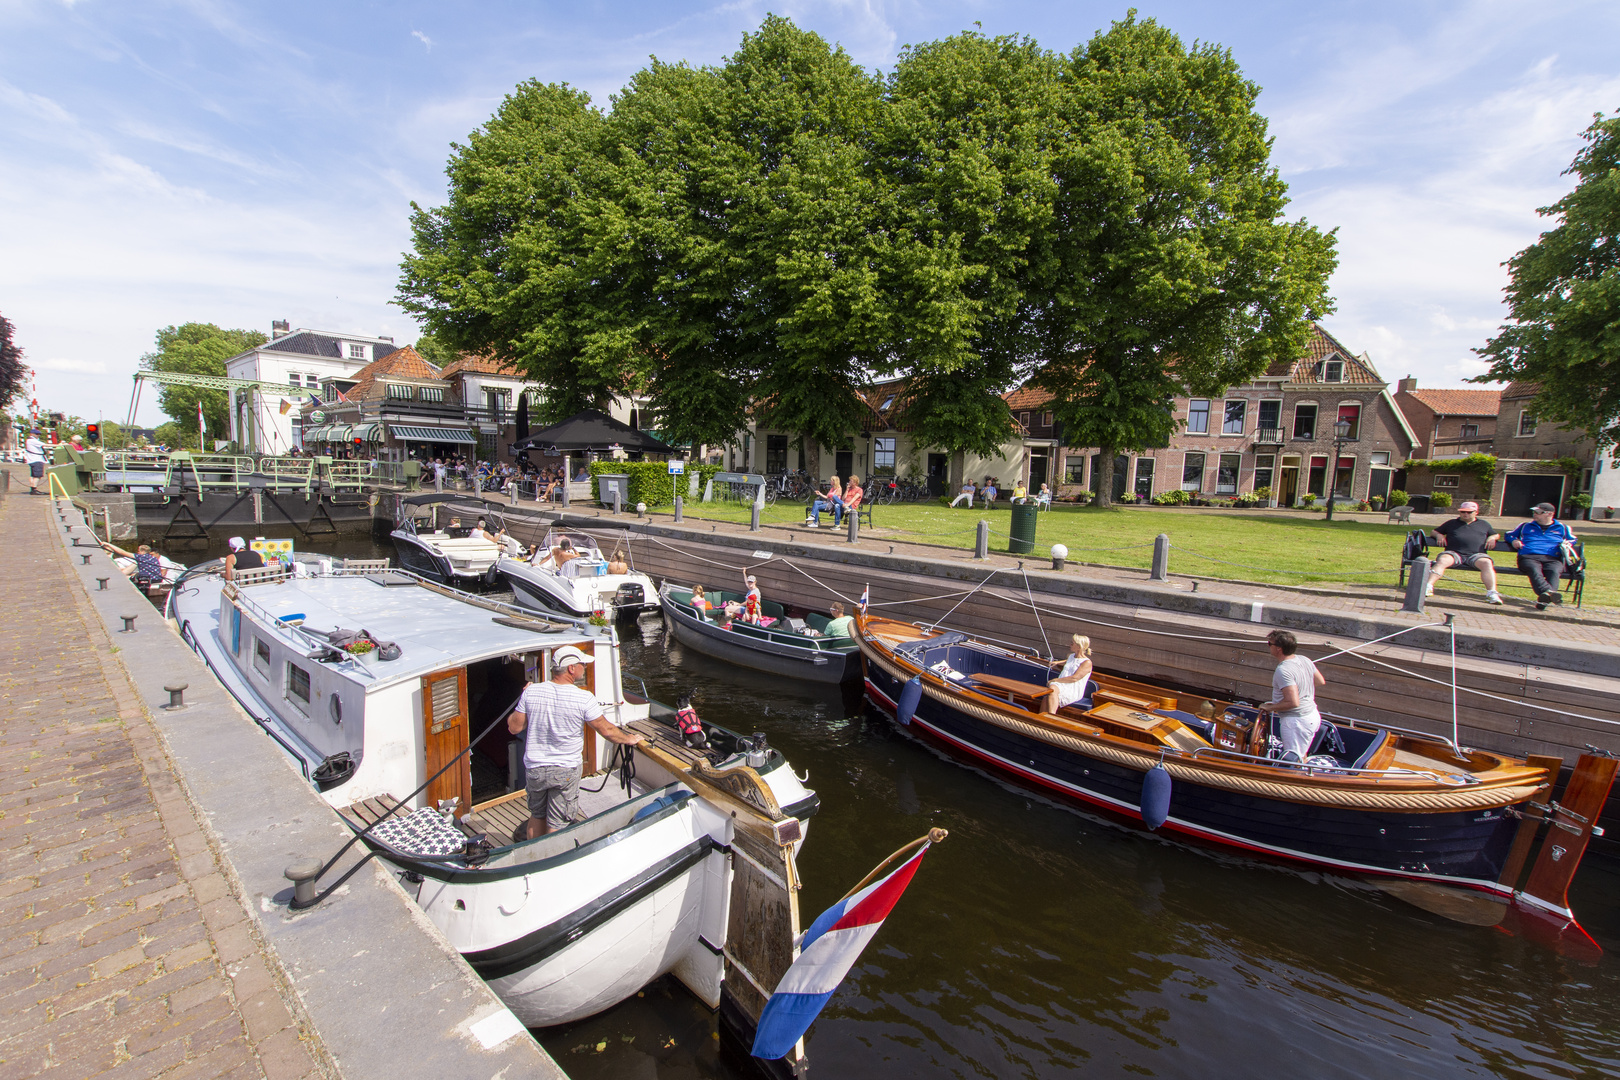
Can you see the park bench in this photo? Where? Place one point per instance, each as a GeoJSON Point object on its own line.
{"type": "Point", "coordinates": [1420, 545]}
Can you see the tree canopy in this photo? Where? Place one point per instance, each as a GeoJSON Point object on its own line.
{"type": "Point", "coordinates": [197, 349]}
{"type": "Point", "coordinates": [1564, 299]}
{"type": "Point", "coordinates": [13, 372]}
{"type": "Point", "coordinates": [767, 237]}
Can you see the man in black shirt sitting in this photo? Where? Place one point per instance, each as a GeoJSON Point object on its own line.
{"type": "Point", "coordinates": [1466, 539]}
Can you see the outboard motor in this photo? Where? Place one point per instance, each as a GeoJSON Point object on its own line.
{"type": "Point", "coordinates": [629, 594]}
{"type": "Point", "coordinates": [758, 752]}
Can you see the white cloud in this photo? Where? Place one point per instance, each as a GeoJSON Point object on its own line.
{"type": "Point", "coordinates": [82, 367]}
{"type": "Point", "coordinates": [423, 38]}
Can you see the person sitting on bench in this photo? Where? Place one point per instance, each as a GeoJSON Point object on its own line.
{"type": "Point", "coordinates": [1070, 684]}
{"type": "Point", "coordinates": [1466, 538]}
{"type": "Point", "coordinates": [1539, 543]}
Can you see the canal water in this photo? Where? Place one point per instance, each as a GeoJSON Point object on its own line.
{"type": "Point", "coordinates": [1041, 942]}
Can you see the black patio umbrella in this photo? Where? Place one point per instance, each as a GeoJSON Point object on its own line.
{"type": "Point", "coordinates": [593, 431]}
{"type": "Point", "coordinates": [522, 424]}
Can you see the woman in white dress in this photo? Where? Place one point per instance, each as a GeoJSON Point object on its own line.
{"type": "Point", "coordinates": [1070, 684]}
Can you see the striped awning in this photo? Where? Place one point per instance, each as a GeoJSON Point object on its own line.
{"type": "Point", "coordinates": [366, 432]}
{"type": "Point", "coordinates": [315, 434]}
{"type": "Point", "coordinates": [432, 434]}
{"type": "Point", "coordinates": [338, 433]}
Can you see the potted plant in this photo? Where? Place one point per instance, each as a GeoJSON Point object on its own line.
{"type": "Point", "coordinates": [1608, 511]}
{"type": "Point", "coordinates": [1308, 500]}
{"type": "Point", "coordinates": [361, 648]}
{"type": "Point", "coordinates": [1399, 498]}
{"type": "Point", "coordinates": [1439, 500]}
{"type": "Point", "coordinates": [1376, 502]}
{"type": "Point", "coordinates": [1582, 502]}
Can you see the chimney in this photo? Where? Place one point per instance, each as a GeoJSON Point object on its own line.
{"type": "Point", "coordinates": [1406, 385]}
{"type": "Point", "coordinates": [278, 328]}
{"type": "Point", "coordinates": [385, 337]}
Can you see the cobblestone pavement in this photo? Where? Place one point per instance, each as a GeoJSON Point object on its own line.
{"type": "Point", "coordinates": [1593, 625]}
{"type": "Point", "coordinates": [122, 948]}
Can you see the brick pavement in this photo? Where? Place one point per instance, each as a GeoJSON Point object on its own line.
{"type": "Point", "coordinates": [123, 950]}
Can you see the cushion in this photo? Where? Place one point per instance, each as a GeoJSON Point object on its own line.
{"type": "Point", "coordinates": [423, 831]}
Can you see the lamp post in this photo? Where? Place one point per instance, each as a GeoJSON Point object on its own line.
{"type": "Point", "coordinates": [1341, 434]}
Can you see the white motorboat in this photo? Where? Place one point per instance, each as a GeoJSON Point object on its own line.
{"type": "Point", "coordinates": [580, 585]}
{"type": "Point", "coordinates": [432, 536]}
{"type": "Point", "coordinates": [561, 926]}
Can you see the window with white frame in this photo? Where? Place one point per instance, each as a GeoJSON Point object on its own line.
{"type": "Point", "coordinates": [261, 657]}
{"type": "Point", "coordinates": [357, 352]}
{"type": "Point", "coordinates": [1304, 421]}
{"type": "Point", "coordinates": [882, 455]}
{"type": "Point", "coordinates": [1046, 419]}
{"type": "Point", "coordinates": [1023, 418]}
{"type": "Point", "coordinates": [1470, 431]}
{"type": "Point", "coordinates": [1527, 423]}
{"type": "Point", "coordinates": [1236, 412]}
{"type": "Point", "coordinates": [1226, 474]}
{"type": "Point", "coordinates": [1270, 417]}
{"type": "Point", "coordinates": [1192, 472]}
{"type": "Point", "coordinates": [297, 685]}
{"type": "Point", "coordinates": [1264, 469]}
{"type": "Point", "coordinates": [1379, 457]}
{"type": "Point", "coordinates": [1331, 370]}
{"type": "Point", "coordinates": [1074, 469]}
{"type": "Point", "coordinates": [1198, 416]}
{"type": "Point", "coordinates": [1447, 480]}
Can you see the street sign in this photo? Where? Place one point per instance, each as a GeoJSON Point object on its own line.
{"type": "Point", "coordinates": [677, 468]}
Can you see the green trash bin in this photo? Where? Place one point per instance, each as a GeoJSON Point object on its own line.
{"type": "Point", "coordinates": [1023, 528]}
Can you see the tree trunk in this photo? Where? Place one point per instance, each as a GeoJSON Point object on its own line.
{"type": "Point", "coordinates": [812, 457]}
{"type": "Point", "coordinates": [1104, 480]}
{"type": "Point", "coordinates": [958, 471]}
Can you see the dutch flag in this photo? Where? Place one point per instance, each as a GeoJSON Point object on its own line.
{"type": "Point", "coordinates": [866, 598]}
{"type": "Point", "coordinates": [828, 950]}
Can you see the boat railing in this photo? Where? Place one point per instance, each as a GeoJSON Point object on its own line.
{"type": "Point", "coordinates": [1453, 779]}
{"type": "Point", "coordinates": [1427, 736]}
{"type": "Point", "coordinates": [316, 644]}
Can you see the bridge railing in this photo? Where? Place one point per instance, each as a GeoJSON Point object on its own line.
{"type": "Point", "coordinates": [348, 475]}
{"type": "Point", "coordinates": [288, 473]}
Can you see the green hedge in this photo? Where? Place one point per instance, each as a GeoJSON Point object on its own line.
{"type": "Point", "coordinates": [650, 481]}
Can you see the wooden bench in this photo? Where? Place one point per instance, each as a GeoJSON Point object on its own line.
{"type": "Point", "coordinates": [1419, 545]}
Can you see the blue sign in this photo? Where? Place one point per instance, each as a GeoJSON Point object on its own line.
{"type": "Point", "coordinates": [676, 468]}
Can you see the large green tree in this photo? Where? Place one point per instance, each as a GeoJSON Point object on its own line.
{"type": "Point", "coordinates": [197, 349]}
{"type": "Point", "coordinates": [13, 372]}
{"type": "Point", "coordinates": [1564, 299]}
{"type": "Point", "coordinates": [1169, 269]}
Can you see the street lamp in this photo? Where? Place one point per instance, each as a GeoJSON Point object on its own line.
{"type": "Point", "coordinates": [1341, 435]}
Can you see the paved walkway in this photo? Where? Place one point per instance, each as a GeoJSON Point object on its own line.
{"type": "Point", "coordinates": [122, 948]}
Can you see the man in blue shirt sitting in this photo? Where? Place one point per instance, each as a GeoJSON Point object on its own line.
{"type": "Point", "coordinates": [1538, 543]}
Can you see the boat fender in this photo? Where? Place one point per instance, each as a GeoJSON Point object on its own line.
{"type": "Point", "coordinates": [1156, 796]}
{"type": "Point", "coordinates": [910, 696]}
{"type": "Point", "coordinates": [653, 807]}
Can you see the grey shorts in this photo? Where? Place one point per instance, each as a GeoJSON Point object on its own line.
{"type": "Point", "coordinates": [554, 794]}
{"type": "Point", "coordinates": [1471, 562]}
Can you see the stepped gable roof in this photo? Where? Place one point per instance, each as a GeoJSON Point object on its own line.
{"type": "Point", "coordinates": [1459, 402]}
{"type": "Point", "coordinates": [1518, 390]}
{"type": "Point", "coordinates": [404, 364]}
{"type": "Point", "coordinates": [316, 343]}
{"type": "Point", "coordinates": [480, 365]}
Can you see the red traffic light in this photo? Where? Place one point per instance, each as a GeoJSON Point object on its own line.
{"type": "Point", "coordinates": [92, 432]}
{"type": "Point", "coordinates": [358, 440]}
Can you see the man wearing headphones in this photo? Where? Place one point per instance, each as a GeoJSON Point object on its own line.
{"type": "Point", "coordinates": [556, 714]}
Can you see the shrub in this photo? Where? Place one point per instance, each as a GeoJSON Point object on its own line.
{"type": "Point", "coordinates": [1176, 497]}
{"type": "Point", "coordinates": [1247, 499]}
{"type": "Point", "coordinates": [1363, 506]}
{"type": "Point", "coordinates": [1307, 500]}
{"type": "Point", "coordinates": [1582, 501]}
{"type": "Point", "coordinates": [1262, 494]}
{"type": "Point", "coordinates": [650, 481]}
{"type": "Point", "coordinates": [1399, 498]}
{"type": "Point", "coordinates": [1439, 500]}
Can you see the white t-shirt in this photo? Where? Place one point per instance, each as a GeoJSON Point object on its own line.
{"type": "Point", "coordinates": [557, 714]}
{"type": "Point", "coordinates": [33, 450]}
{"type": "Point", "coordinates": [1297, 671]}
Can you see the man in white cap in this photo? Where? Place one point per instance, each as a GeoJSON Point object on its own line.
{"type": "Point", "coordinates": [34, 455]}
{"type": "Point", "coordinates": [556, 714]}
{"type": "Point", "coordinates": [1466, 538]}
{"type": "Point", "coordinates": [241, 557]}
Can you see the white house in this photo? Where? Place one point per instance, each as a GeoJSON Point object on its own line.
{"type": "Point", "coordinates": [301, 359]}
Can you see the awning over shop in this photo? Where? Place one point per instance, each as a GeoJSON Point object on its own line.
{"type": "Point", "coordinates": [315, 434]}
{"type": "Point", "coordinates": [432, 434]}
{"type": "Point", "coordinates": [367, 432]}
{"type": "Point", "coordinates": [339, 433]}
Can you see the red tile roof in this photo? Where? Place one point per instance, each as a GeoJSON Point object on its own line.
{"type": "Point", "coordinates": [1521, 390]}
{"type": "Point", "coordinates": [404, 363]}
{"type": "Point", "coordinates": [1460, 402]}
{"type": "Point", "coordinates": [482, 365]}
{"type": "Point", "coordinates": [1320, 346]}
{"type": "Point", "coordinates": [1028, 396]}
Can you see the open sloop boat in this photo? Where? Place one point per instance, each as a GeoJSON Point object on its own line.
{"type": "Point", "coordinates": [432, 538]}
{"type": "Point", "coordinates": [578, 585]}
{"type": "Point", "coordinates": [781, 645]}
{"type": "Point", "coordinates": [1371, 800]}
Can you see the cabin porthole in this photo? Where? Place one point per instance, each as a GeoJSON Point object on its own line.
{"type": "Point", "coordinates": [336, 708]}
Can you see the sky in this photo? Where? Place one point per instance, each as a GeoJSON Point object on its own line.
{"type": "Point", "coordinates": [234, 163]}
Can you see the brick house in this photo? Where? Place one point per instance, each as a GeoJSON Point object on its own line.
{"type": "Point", "coordinates": [302, 359]}
{"type": "Point", "coordinates": [1525, 448]}
{"type": "Point", "coordinates": [1275, 432]}
{"type": "Point", "coordinates": [1449, 423]}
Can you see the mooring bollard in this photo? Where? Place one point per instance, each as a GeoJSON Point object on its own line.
{"type": "Point", "coordinates": [981, 542]}
{"type": "Point", "coordinates": [303, 874]}
{"type": "Point", "coordinates": [1417, 585]}
{"type": "Point", "coordinates": [129, 624]}
{"type": "Point", "coordinates": [1059, 553]}
{"type": "Point", "coordinates": [615, 502]}
{"type": "Point", "coordinates": [753, 518]}
{"type": "Point", "coordinates": [177, 696]}
{"type": "Point", "coordinates": [641, 510]}
{"type": "Point", "coordinates": [1161, 558]}
{"type": "Point", "coordinates": [101, 584]}
{"type": "Point", "coordinates": [854, 518]}
{"type": "Point", "coordinates": [86, 558]}
{"type": "Point", "coordinates": [678, 505]}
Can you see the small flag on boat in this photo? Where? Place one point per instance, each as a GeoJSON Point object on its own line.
{"type": "Point", "coordinates": [866, 598]}
{"type": "Point", "coordinates": [828, 950]}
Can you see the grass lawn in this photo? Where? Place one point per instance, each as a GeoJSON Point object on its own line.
{"type": "Point", "coordinates": [1286, 548]}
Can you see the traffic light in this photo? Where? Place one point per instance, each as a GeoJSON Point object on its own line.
{"type": "Point", "coordinates": [358, 442]}
{"type": "Point", "coordinates": [92, 433]}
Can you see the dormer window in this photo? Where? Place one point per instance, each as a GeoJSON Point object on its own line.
{"type": "Point", "coordinates": [1330, 370]}
{"type": "Point", "coordinates": [395, 390]}
{"type": "Point", "coordinates": [432, 393]}
{"type": "Point", "coordinates": [357, 352]}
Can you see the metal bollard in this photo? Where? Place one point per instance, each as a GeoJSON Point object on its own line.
{"type": "Point", "coordinates": [641, 510]}
{"type": "Point", "coordinates": [981, 542]}
{"type": "Point", "coordinates": [303, 874]}
{"type": "Point", "coordinates": [753, 518]}
{"type": "Point", "coordinates": [615, 501]}
{"type": "Point", "coordinates": [1161, 558]}
{"type": "Point", "coordinates": [1059, 553]}
{"type": "Point", "coordinates": [854, 519]}
{"type": "Point", "coordinates": [129, 624]}
{"type": "Point", "coordinates": [86, 559]}
{"type": "Point", "coordinates": [101, 584]}
{"type": "Point", "coordinates": [1417, 584]}
{"type": "Point", "coordinates": [678, 506]}
{"type": "Point", "coordinates": [177, 696]}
